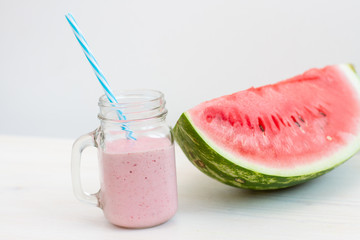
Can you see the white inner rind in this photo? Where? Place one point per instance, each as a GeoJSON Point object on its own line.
{"type": "Point", "coordinates": [324, 163]}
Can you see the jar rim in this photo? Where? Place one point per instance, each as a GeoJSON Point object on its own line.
{"type": "Point", "coordinates": [151, 96]}
{"type": "Point", "coordinates": [134, 105]}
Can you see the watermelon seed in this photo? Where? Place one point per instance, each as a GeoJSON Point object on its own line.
{"type": "Point", "coordinates": [297, 124]}
{"type": "Point", "coordinates": [239, 180]}
{"type": "Point", "coordinates": [301, 119]}
{"type": "Point", "coordinates": [199, 163]}
{"type": "Point", "coordinates": [329, 138]}
{"type": "Point", "coordinates": [261, 125]}
{"type": "Point", "coordinates": [248, 122]}
{"type": "Point", "coordinates": [262, 128]}
{"type": "Point", "coordinates": [321, 113]}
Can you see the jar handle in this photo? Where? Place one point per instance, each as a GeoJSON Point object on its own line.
{"type": "Point", "coordinates": [87, 140]}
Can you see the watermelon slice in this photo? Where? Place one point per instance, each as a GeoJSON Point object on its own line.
{"type": "Point", "coordinates": [277, 135]}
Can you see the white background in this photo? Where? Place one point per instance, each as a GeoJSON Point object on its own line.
{"type": "Point", "coordinates": [191, 50]}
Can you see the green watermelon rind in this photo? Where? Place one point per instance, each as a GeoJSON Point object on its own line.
{"type": "Point", "coordinates": [215, 165]}
{"type": "Point", "coordinates": [220, 165]}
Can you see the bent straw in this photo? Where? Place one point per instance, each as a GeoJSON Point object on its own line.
{"type": "Point", "coordinates": [99, 74]}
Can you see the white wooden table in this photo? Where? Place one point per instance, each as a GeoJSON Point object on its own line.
{"type": "Point", "coordinates": [36, 201]}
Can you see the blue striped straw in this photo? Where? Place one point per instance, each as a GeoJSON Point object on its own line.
{"type": "Point", "coordinates": [99, 74]}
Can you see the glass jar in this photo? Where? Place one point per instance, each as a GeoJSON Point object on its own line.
{"type": "Point", "coordinates": [137, 160]}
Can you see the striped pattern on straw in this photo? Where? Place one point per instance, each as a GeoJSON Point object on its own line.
{"type": "Point", "coordinates": [99, 74]}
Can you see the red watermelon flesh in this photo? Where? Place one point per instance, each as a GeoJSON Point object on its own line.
{"type": "Point", "coordinates": [277, 135]}
{"type": "Point", "coordinates": [290, 122]}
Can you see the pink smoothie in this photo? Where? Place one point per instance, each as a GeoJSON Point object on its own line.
{"type": "Point", "coordinates": [138, 182]}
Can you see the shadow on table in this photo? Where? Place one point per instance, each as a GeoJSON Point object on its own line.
{"type": "Point", "coordinates": [201, 193]}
